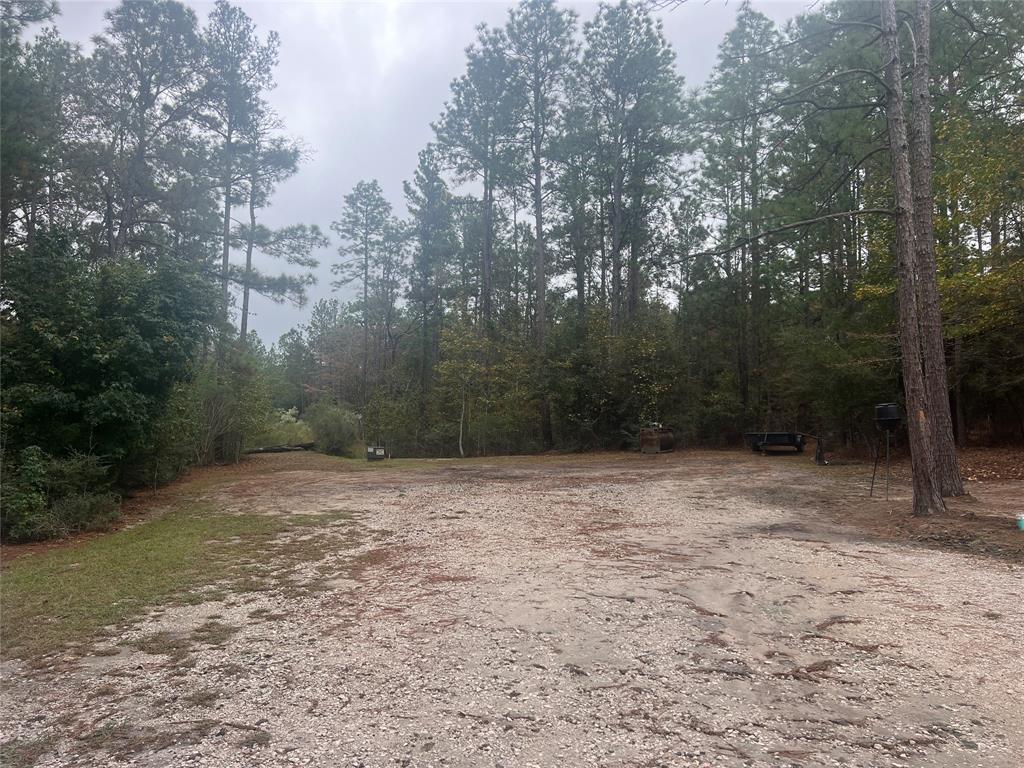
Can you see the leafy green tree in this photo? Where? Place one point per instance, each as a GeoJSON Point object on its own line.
{"type": "Point", "coordinates": [91, 354]}
{"type": "Point", "coordinates": [144, 69]}
{"type": "Point", "coordinates": [33, 125]}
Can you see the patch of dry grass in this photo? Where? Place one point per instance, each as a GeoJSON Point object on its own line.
{"type": "Point", "coordinates": [213, 633]}
{"type": "Point", "coordinates": [70, 594]}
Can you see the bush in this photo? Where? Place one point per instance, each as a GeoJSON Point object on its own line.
{"type": "Point", "coordinates": [173, 440]}
{"type": "Point", "coordinates": [46, 497]}
{"type": "Point", "coordinates": [335, 429]}
{"type": "Point", "coordinates": [208, 419]}
{"type": "Point", "coordinates": [233, 405]}
{"type": "Point", "coordinates": [282, 428]}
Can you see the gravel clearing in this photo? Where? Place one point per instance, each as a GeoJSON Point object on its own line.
{"type": "Point", "coordinates": [694, 609]}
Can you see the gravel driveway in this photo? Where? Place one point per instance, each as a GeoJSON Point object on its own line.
{"type": "Point", "coordinates": [684, 610]}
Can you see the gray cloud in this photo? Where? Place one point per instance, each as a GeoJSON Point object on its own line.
{"type": "Point", "coordinates": [360, 83]}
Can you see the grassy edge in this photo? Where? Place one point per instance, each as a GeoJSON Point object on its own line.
{"type": "Point", "coordinates": [58, 598]}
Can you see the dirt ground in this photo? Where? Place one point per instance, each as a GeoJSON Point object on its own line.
{"type": "Point", "coordinates": [690, 609]}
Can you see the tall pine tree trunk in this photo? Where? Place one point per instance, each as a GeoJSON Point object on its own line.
{"type": "Point", "coordinates": [602, 220]}
{"type": "Point", "coordinates": [425, 361]}
{"type": "Point", "coordinates": [616, 247]}
{"type": "Point", "coordinates": [108, 222]}
{"type": "Point", "coordinates": [580, 268]}
{"type": "Point", "coordinates": [930, 316]}
{"type": "Point", "coordinates": [226, 226]}
{"type": "Point", "coordinates": [366, 318]}
{"type": "Point", "coordinates": [756, 294]}
{"type": "Point", "coordinates": [633, 258]}
{"type": "Point", "coordinates": [927, 492]}
{"type": "Point", "coordinates": [250, 242]}
{"type": "Point", "coordinates": [540, 279]}
{"type": "Point", "coordinates": [487, 256]}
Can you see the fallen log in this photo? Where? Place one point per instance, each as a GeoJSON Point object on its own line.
{"type": "Point", "coordinates": [282, 448]}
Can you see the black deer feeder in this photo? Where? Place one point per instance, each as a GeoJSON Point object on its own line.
{"type": "Point", "coordinates": [887, 419]}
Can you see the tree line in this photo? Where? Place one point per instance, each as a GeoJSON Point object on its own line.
{"type": "Point", "coordinates": [129, 176]}
{"type": "Point", "coordinates": [588, 244]}
{"type": "Point", "coordinates": [591, 246]}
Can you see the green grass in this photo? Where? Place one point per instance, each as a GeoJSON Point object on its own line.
{"type": "Point", "coordinates": [54, 597]}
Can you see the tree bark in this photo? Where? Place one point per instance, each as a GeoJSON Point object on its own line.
{"type": "Point", "coordinates": [929, 311]}
{"type": "Point", "coordinates": [927, 493]}
{"type": "Point", "coordinates": [108, 223]}
{"type": "Point", "coordinates": [756, 294]}
{"type": "Point", "coordinates": [602, 222]}
{"type": "Point", "coordinates": [580, 268]}
{"type": "Point", "coordinates": [633, 259]}
{"type": "Point", "coordinates": [995, 230]}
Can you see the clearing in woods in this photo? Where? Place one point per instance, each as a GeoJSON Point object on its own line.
{"type": "Point", "coordinates": [692, 609]}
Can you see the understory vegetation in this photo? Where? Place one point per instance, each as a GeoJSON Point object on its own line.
{"type": "Point", "coordinates": [120, 169]}
{"type": "Point", "coordinates": [588, 245]}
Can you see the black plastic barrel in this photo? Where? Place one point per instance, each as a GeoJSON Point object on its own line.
{"type": "Point", "coordinates": [887, 416]}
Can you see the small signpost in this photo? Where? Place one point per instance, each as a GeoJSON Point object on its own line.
{"type": "Point", "coordinates": [376, 453]}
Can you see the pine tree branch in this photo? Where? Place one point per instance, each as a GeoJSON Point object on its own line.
{"type": "Point", "coordinates": [785, 228]}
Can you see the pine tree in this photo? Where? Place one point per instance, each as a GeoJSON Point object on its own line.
{"type": "Point", "coordinates": [476, 137]}
{"type": "Point", "coordinates": [363, 228]}
{"type": "Point", "coordinates": [268, 159]}
{"type": "Point", "coordinates": [239, 69]}
{"type": "Point", "coordinates": [542, 50]}
{"type": "Point", "coordinates": [430, 206]}
{"type": "Point", "coordinates": [633, 99]}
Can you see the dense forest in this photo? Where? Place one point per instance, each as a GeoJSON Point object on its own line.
{"type": "Point", "coordinates": [589, 244]}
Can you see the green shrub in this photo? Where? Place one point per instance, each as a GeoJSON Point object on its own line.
{"type": "Point", "coordinates": [84, 512]}
{"type": "Point", "coordinates": [45, 497]}
{"type": "Point", "coordinates": [335, 429]}
{"type": "Point", "coordinates": [25, 516]}
{"type": "Point", "coordinates": [173, 440]}
{"type": "Point", "coordinates": [282, 428]}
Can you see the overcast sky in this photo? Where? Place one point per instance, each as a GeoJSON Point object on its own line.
{"type": "Point", "coordinates": [360, 83]}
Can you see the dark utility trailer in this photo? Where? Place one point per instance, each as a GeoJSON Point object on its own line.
{"type": "Point", "coordinates": [760, 441]}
